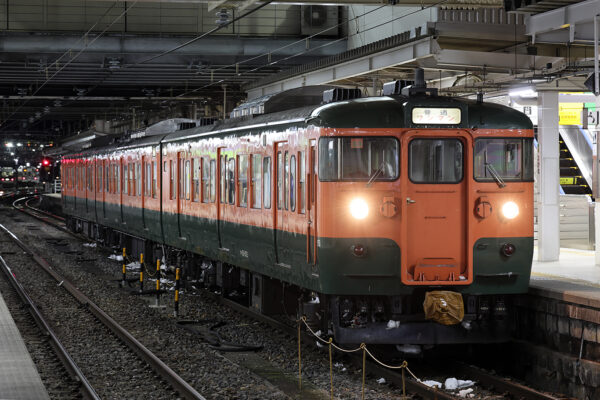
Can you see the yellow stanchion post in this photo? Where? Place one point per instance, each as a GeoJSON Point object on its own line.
{"type": "Point", "coordinates": [364, 347]}
{"type": "Point", "coordinates": [176, 293]}
{"type": "Point", "coordinates": [299, 359]}
{"type": "Point", "coordinates": [141, 272]}
{"type": "Point", "coordinates": [157, 283]}
{"type": "Point", "coordinates": [124, 268]}
{"type": "Point", "coordinates": [330, 369]}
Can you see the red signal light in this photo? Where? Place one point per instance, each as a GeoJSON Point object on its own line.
{"type": "Point", "coordinates": [45, 162]}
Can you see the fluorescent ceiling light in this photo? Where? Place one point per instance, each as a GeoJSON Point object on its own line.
{"type": "Point", "coordinates": [522, 92]}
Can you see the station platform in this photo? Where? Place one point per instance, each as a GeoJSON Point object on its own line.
{"type": "Point", "coordinates": [51, 202]}
{"type": "Point", "coordinates": [19, 378]}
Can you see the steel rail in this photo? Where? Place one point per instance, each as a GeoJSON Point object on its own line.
{"type": "Point", "coordinates": [86, 388]}
{"type": "Point", "coordinates": [158, 365]}
{"type": "Point", "coordinates": [49, 214]}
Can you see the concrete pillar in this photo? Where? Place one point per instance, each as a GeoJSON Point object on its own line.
{"type": "Point", "coordinates": [548, 199]}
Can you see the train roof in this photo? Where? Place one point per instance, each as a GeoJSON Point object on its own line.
{"type": "Point", "coordinates": [370, 112]}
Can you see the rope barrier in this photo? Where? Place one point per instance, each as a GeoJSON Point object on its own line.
{"type": "Point", "coordinates": [365, 350]}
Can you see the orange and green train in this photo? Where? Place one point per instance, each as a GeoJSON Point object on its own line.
{"type": "Point", "coordinates": [365, 204]}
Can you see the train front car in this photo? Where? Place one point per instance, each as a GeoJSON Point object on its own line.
{"type": "Point", "coordinates": [429, 223]}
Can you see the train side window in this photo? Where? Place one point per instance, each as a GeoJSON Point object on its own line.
{"type": "Point", "coordinates": [205, 180]}
{"type": "Point", "coordinates": [138, 168]}
{"type": "Point", "coordinates": [243, 180]}
{"type": "Point", "coordinates": [256, 188]}
{"type": "Point", "coordinates": [292, 183]}
{"type": "Point", "coordinates": [118, 178]}
{"type": "Point", "coordinates": [231, 180]}
{"type": "Point", "coordinates": [172, 180]}
{"type": "Point", "coordinates": [279, 180]}
{"type": "Point", "coordinates": [180, 192]}
{"type": "Point", "coordinates": [301, 183]}
{"type": "Point", "coordinates": [107, 179]}
{"type": "Point", "coordinates": [99, 171]}
{"type": "Point", "coordinates": [286, 180]}
{"type": "Point", "coordinates": [148, 180]}
{"type": "Point", "coordinates": [132, 179]}
{"type": "Point", "coordinates": [186, 180]}
{"type": "Point", "coordinates": [195, 180]}
{"type": "Point", "coordinates": [223, 179]}
{"type": "Point", "coordinates": [126, 180]}
{"type": "Point", "coordinates": [154, 178]}
{"type": "Point", "coordinates": [213, 180]}
{"type": "Point", "coordinates": [267, 182]}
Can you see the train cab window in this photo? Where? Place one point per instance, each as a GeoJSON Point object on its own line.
{"type": "Point", "coordinates": [243, 180]}
{"type": "Point", "coordinates": [358, 159]}
{"type": "Point", "coordinates": [267, 182]}
{"type": "Point", "coordinates": [435, 160]}
{"type": "Point", "coordinates": [213, 180]}
{"type": "Point", "coordinates": [186, 180]}
{"type": "Point", "coordinates": [292, 183]}
{"type": "Point", "coordinates": [195, 180]}
{"type": "Point", "coordinates": [154, 177]}
{"type": "Point", "coordinates": [509, 159]}
{"type": "Point", "coordinates": [301, 184]}
{"type": "Point", "coordinates": [256, 188]}
{"type": "Point", "coordinates": [231, 180]}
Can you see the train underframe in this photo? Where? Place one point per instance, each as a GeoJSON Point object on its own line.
{"type": "Point", "coordinates": [396, 320]}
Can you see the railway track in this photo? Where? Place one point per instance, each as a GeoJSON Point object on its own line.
{"type": "Point", "coordinates": [77, 310]}
{"type": "Point", "coordinates": [497, 384]}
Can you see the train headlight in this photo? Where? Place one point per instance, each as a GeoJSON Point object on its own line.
{"type": "Point", "coordinates": [359, 208]}
{"type": "Point", "coordinates": [510, 210]}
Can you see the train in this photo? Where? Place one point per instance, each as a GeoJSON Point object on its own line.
{"type": "Point", "coordinates": [352, 211]}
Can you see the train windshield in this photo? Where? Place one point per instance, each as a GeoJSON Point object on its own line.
{"type": "Point", "coordinates": [358, 159]}
{"type": "Point", "coordinates": [509, 158]}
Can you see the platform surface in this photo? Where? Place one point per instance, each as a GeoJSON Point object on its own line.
{"type": "Point", "coordinates": [19, 378]}
{"type": "Point", "coordinates": [574, 277]}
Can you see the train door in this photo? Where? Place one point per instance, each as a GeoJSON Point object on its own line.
{"type": "Point", "coordinates": [282, 202]}
{"type": "Point", "coordinates": [435, 178]}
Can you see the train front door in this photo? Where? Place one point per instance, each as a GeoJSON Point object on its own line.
{"type": "Point", "coordinates": [435, 176]}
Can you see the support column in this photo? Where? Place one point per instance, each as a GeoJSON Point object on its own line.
{"type": "Point", "coordinates": [549, 177]}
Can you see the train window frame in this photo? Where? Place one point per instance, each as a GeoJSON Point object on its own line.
{"type": "Point", "coordinates": [126, 180]}
{"type": "Point", "coordinates": [223, 179]}
{"type": "Point", "coordinates": [266, 176]}
{"type": "Point", "coordinates": [293, 169]}
{"type": "Point", "coordinates": [242, 180]}
{"type": "Point", "coordinates": [186, 180]}
{"type": "Point", "coordinates": [196, 166]}
{"type": "Point", "coordinates": [507, 179]}
{"type": "Point", "coordinates": [420, 138]}
{"type": "Point", "coordinates": [205, 180]}
{"type": "Point", "coordinates": [154, 178]}
{"type": "Point", "coordinates": [339, 166]}
{"type": "Point", "coordinates": [256, 173]}
{"type": "Point", "coordinates": [231, 180]}
{"type": "Point", "coordinates": [213, 180]}
{"type": "Point", "coordinates": [301, 183]}
{"type": "Point", "coordinates": [279, 180]}
{"type": "Point", "coordinates": [138, 168]}
{"type": "Point", "coordinates": [99, 176]}
{"type": "Point", "coordinates": [171, 180]}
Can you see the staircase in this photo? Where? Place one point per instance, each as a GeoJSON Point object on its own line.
{"type": "Point", "coordinates": [571, 177]}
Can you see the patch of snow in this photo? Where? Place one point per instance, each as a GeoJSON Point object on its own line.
{"type": "Point", "coordinates": [465, 384]}
{"type": "Point", "coordinates": [319, 344]}
{"type": "Point", "coordinates": [94, 244]}
{"type": "Point", "coordinates": [462, 278]}
{"type": "Point", "coordinates": [318, 333]}
{"type": "Point", "coordinates": [451, 384]}
{"type": "Point", "coordinates": [315, 300]}
{"type": "Point", "coordinates": [133, 266]}
{"type": "Point", "coordinates": [432, 383]}
{"type": "Point", "coordinates": [115, 257]}
{"type": "Point", "coordinates": [338, 365]}
{"type": "Point", "coordinates": [393, 324]}
{"type": "Point", "coordinates": [381, 380]}
{"type": "Point", "coordinates": [465, 392]}
{"type": "Point", "coordinates": [466, 325]}
{"type": "Point", "coordinates": [409, 348]}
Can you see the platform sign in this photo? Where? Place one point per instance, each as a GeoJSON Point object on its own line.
{"type": "Point", "coordinates": [567, 181]}
{"type": "Point", "coordinates": [570, 113]}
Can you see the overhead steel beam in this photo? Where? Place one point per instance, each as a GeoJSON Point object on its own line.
{"type": "Point", "coordinates": [564, 25]}
{"type": "Point", "coordinates": [451, 3]}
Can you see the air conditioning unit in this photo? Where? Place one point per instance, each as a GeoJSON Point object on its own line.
{"type": "Point", "coordinates": [316, 19]}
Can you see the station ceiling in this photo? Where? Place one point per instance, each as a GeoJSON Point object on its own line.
{"type": "Point", "coordinates": [66, 63]}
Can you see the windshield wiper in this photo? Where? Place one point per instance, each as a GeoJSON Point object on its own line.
{"type": "Point", "coordinates": [375, 175]}
{"type": "Point", "coordinates": [495, 175]}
